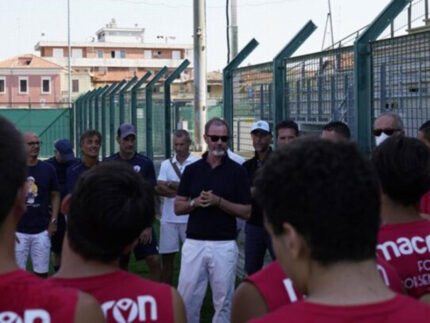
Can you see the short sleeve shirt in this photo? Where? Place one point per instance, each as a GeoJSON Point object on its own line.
{"type": "Point", "coordinates": [73, 173]}
{"type": "Point", "coordinates": [167, 173]}
{"type": "Point", "coordinates": [41, 181]}
{"type": "Point", "coordinates": [141, 164]}
{"type": "Point", "coordinates": [229, 181]}
{"type": "Point", "coordinates": [406, 246]}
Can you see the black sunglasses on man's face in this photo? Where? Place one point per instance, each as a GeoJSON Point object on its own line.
{"type": "Point", "coordinates": [388, 131]}
{"type": "Point", "coordinates": [216, 138]}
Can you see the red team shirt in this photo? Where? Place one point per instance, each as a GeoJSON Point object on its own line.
{"type": "Point", "coordinates": [125, 297]}
{"type": "Point", "coordinates": [399, 309]}
{"type": "Point", "coordinates": [425, 203]}
{"type": "Point", "coordinates": [406, 246]}
{"type": "Point", "coordinates": [277, 289]}
{"type": "Point", "coordinates": [26, 298]}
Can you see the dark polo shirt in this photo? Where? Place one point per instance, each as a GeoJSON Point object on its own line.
{"type": "Point", "coordinates": [252, 166]}
{"type": "Point", "coordinates": [229, 181]}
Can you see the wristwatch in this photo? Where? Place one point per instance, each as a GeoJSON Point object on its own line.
{"type": "Point", "coordinates": [192, 202]}
{"type": "Point", "coordinates": [54, 220]}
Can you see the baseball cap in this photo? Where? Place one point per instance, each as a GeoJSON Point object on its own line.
{"type": "Point", "coordinates": [260, 125]}
{"type": "Point", "coordinates": [64, 147]}
{"type": "Point", "coordinates": [126, 129]}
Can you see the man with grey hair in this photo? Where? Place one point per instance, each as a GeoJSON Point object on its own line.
{"type": "Point", "coordinates": [172, 228]}
{"type": "Point", "coordinates": [213, 191]}
{"type": "Point", "coordinates": [386, 125]}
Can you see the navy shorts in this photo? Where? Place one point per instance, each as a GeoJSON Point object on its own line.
{"type": "Point", "coordinates": [141, 251]}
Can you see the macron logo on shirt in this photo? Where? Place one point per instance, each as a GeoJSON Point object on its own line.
{"type": "Point", "coordinates": [127, 310]}
{"type": "Point", "coordinates": [30, 316]}
{"type": "Point", "coordinates": [404, 246]}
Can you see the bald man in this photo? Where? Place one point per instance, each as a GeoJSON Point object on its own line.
{"type": "Point", "coordinates": [39, 222]}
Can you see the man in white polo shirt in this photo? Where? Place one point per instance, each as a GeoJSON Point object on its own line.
{"type": "Point", "coordinates": [173, 227]}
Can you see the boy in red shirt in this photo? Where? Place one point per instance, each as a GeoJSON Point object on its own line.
{"type": "Point", "coordinates": [324, 227]}
{"type": "Point", "coordinates": [109, 208]}
{"type": "Point", "coordinates": [25, 297]}
{"type": "Point", "coordinates": [403, 167]}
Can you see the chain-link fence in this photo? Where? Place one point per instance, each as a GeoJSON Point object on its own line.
{"type": "Point", "coordinates": [401, 76]}
{"type": "Point", "coordinates": [319, 88]}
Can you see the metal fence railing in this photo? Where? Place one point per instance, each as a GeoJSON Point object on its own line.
{"type": "Point", "coordinates": [401, 78]}
{"type": "Point", "coordinates": [319, 88]}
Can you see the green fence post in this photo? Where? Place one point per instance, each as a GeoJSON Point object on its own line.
{"type": "Point", "coordinates": [134, 99]}
{"type": "Point", "coordinates": [122, 100]}
{"type": "Point", "coordinates": [103, 115]}
{"type": "Point", "coordinates": [97, 104]}
{"type": "Point", "coordinates": [92, 107]}
{"type": "Point", "coordinates": [112, 115]}
{"type": "Point", "coordinates": [227, 76]}
{"type": "Point", "coordinates": [87, 110]}
{"type": "Point", "coordinates": [148, 98]}
{"type": "Point", "coordinates": [363, 72]}
{"type": "Point", "coordinates": [167, 105]}
{"type": "Point", "coordinates": [279, 69]}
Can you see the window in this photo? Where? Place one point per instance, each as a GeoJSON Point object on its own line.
{"type": "Point", "coordinates": [112, 54]}
{"type": "Point", "coordinates": [117, 54]}
{"type": "Point", "coordinates": [77, 52]}
{"type": "Point", "coordinates": [46, 85]}
{"type": "Point", "coordinates": [23, 85]}
{"type": "Point", "coordinates": [176, 54]}
{"type": "Point", "coordinates": [75, 86]}
{"type": "Point", "coordinates": [58, 52]}
{"type": "Point", "coordinates": [122, 54]}
{"type": "Point", "coordinates": [2, 85]}
{"type": "Point", "coordinates": [100, 53]}
{"type": "Point", "coordinates": [147, 54]}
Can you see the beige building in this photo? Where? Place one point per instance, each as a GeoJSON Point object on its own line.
{"type": "Point", "coordinates": [117, 53]}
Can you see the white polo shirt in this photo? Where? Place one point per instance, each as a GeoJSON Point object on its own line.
{"type": "Point", "coordinates": [167, 173]}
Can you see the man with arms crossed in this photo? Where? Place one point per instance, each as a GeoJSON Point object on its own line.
{"type": "Point", "coordinates": [257, 240]}
{"type": "Point", "coordinates": [37, 224]}
{"type": "Point", "coordinates": [146, 247]}
{"type": "Point", "coordinates": [324, 227]}
{"type": "Point", "coordinates": [213, 191]}
{"type": "Point", "coordinates": [108, 210]}
{"type": "Point", "coordinates": [25, 297]}
{"type": "Point", "coordinates": [172, 230]}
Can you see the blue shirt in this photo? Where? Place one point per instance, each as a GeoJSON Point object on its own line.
{"type": "Point", "coordinates": [61, 171]}
{"type": "Point", "coordinates": [41, 180]}
{"type": "Point", "coordinates": [229, 181]}
{"type": "Point", "coordinates": [141, 164]}
{"type": "Point", "coordinates": [73, 173]}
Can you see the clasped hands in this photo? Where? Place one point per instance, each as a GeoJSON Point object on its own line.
{"type": "Point", "coordinates": [207, 198]}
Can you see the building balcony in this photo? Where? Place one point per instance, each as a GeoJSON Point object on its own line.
{"type": "Point", "coordinates": [118, 62]}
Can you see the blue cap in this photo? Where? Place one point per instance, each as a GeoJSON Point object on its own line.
{"type": "Point", "coordinates": [64, 147]}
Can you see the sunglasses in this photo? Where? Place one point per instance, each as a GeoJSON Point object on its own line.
{"type": "Point", "coordinates": [388, 132]}
{"type": "Point", "coordinates": [33, 143]}
{"type": "Point", "coordinates": [216, 138]}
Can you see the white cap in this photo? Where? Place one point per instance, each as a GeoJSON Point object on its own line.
{"type": "Point", "coordinates": [260, 125]}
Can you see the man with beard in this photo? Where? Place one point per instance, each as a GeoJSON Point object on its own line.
{"type": "Point", "coordinates": [257, 240]}
{"type": "Point", "coordinates": [213, 191]}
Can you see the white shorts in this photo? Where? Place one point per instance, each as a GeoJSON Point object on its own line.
{"type": "Point", "coordinates": [171, 235]}
{"type": "Point", "coordinates": [38, 246]}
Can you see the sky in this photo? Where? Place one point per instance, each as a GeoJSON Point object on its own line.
{"type": "Point", "coordinates": [271, 22]}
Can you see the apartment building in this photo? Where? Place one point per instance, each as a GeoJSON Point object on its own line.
{"type": "Point", "coordinates": [117, 53]}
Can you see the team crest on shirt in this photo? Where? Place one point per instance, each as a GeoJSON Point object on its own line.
{"type": "Point", "coordinates": [136, 168]}
{"type": "Point", "coordinates": [32, 190]}
{"type": "Point", "coordinates": [128, 310]}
